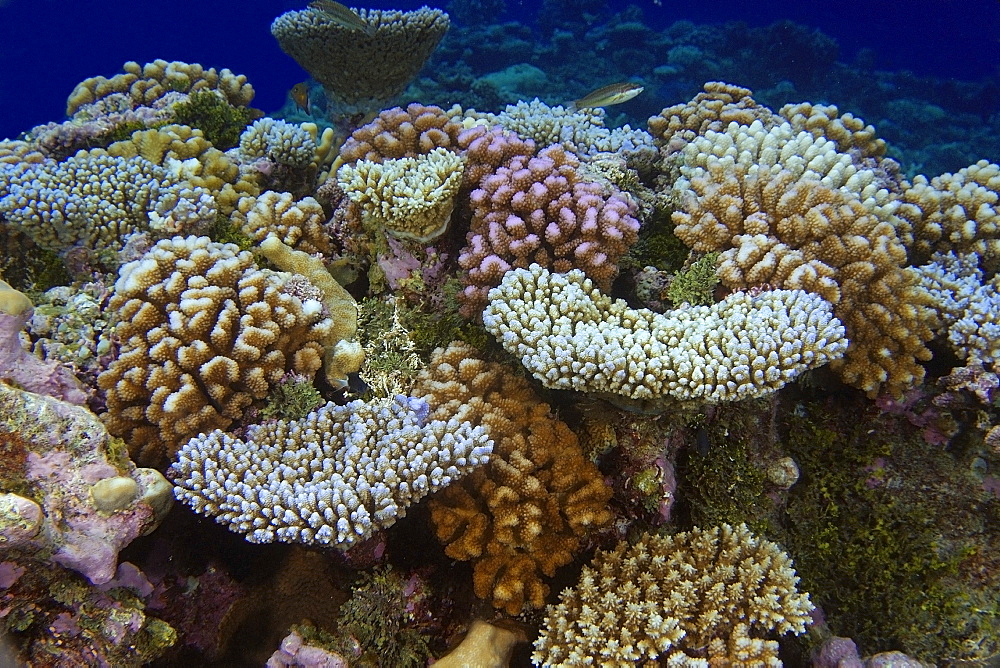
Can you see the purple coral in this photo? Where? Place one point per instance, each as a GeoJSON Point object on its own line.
{"type": "Point", "coordinates": [538, 210]}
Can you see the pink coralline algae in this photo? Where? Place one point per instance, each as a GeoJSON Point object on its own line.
{"type": "Point", "coordinates": [538, 210]}
{"type": "Point", "coordinates": [68, 495]}
{"type": "Point", "coordinates": [296, 652]}
{"type": "Point", "coordinates": [27, 371]}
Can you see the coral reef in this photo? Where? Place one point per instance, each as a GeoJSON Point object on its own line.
{"type": "Point", "coordinates": [204, 334]}
{"type": "Point", "coordinates": [333, 477]}
{"type": "Point", "coordinates": [322, 320]}
{"type": "Point", "coordinates": [707, 594]}
{"type": "Point", "coordinates": [526, 512]}
{"type": "Point", "coordinates": [571, 336]}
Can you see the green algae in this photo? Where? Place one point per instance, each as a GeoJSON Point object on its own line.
{"type": "Point", "coordinates": [725, 481]}
{"type": "Point", "coordinates": [890, 536]}
{"type": "Point", "coordinates": [292, 398]}
{"type": "Point", "coordinates": [376, 616]}
{"type": "Point", "coordinates": [224, 231]}
{"type": "Point", "coordinates": [696, 283]}
{"type": "Point", "coordinates": [221, 122]}
{"type": "Point", "coordinates": [658, 247]}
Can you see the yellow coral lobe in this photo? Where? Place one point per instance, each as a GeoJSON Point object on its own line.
{"type": "Point", "coordinates": [12, 302]}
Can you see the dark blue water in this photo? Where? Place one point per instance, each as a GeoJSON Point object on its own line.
{"type": "Point", "coordinates": [47, 47]}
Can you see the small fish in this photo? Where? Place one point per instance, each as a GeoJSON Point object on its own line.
{"type": "Point", "coordinates": [300, 96]}
{"type": "Point", "coordinates": [343, 16]}
{"type": "Point", "coordinates": [616, 93]}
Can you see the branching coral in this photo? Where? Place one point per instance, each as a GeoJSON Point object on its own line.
{"type": "Point", "coordinates": [410, 198]}
{"type": "Point", "coordinates": [187, 155]}
{"type": "Point", "coordinates": [848, 131]}
{"type": "Point", "coordinates": [580, 131]}
{"type": "Point", "coordinates": [486, 149]}
{"type": "Point", "coordinates": [959, 212]}
{"type": "Point", "coordinates": [704, 597]}
{"type": "Point", "coordinates": [719, 105]}
{"type": "Point", "coordinates": [968, 307]}
{"type": "Point", "coordinates": [284, 156]}
{"type": "Point", "coordinates": [298, 224]}
{"type": "Point", "coordinates": [95, 200]}
{"type": "Point", "coordinates": [401, 133]}
{"type": "Point", "coordinates": [570, 336]}
{"type": "Point", "coordinates": [539, 210]}
{"type": "Point", "coordinates": [524, 514]}
{"type": "Point", "coordinates": [205, 333]}
{"type": "Point", "coordinates": [143, 85]}
{"type": "Point", "coordinates": [787, 210]}
{"type": "Point", "coordinates": [333, 477]}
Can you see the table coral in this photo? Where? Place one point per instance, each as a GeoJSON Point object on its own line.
{"type": "Point", "coordinates": [539, 210]}
{"type": "Point", "coordinates": [360, 71]}
{"type": "Point", "coordinates": [95, 200]}
{"type": "Point", "coordinates": [409, 198]}
{"type": "Point", "coordinates": [703, 597]}
{"type": "Point", "coordinates": [332, 478]}
{"type": "Point", "coordinates": [204, 334]}
{"type": "Point", "coordinates": [787, 210]}
{"type": "Point", "coordinates": [69, 496]}
{"type": "Point", "coordinates": [571, 336]}
{"type": "Point", "coordinates": [525, 513]}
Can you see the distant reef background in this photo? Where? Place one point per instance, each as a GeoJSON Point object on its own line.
{"type": "Point", "coordinates": [926, 74]}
